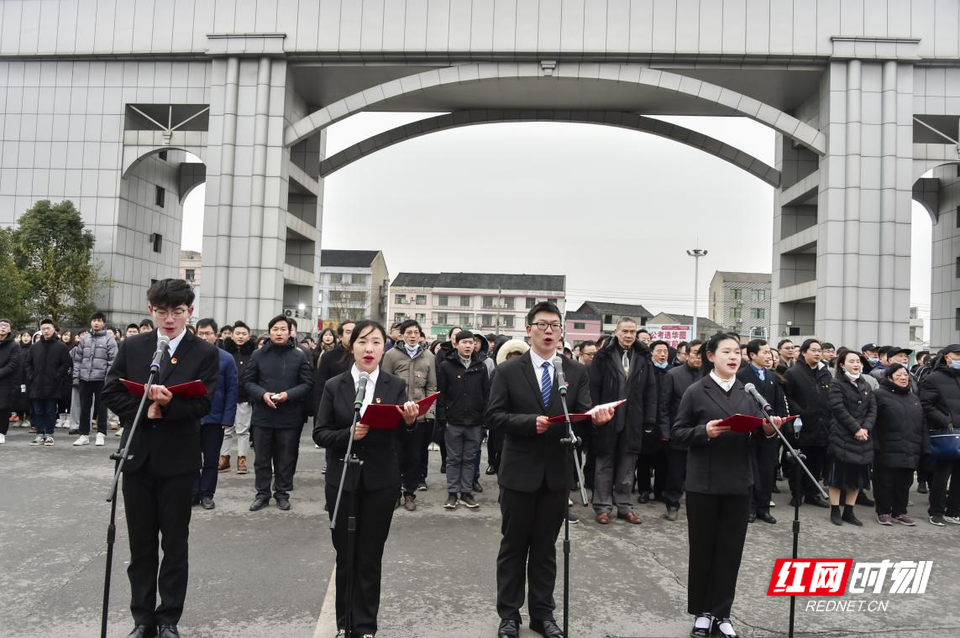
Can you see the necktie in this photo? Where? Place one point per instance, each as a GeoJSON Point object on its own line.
{"type": "Point", "coordinates": [625, 361]}
{"type": "Point", "coordinates": [762, 374]}
{"type": "Point", "coordinates": [545, 383]}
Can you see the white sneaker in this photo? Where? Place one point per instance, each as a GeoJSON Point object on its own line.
{"type": "Point", "coordinates": [118, 432]}
{"type": "Point", "coordinates": [3, 439]}
{"type": "Point", "coordinates": [48, 441]}
{"type": "Point", "coordinates": [952, 519]}
{"type": "Point", "coordinates": [101, 440]}
{"type": "Point", "coordinates": [37, 441]}
{"type": "Point", "coordinates": [83, 439]}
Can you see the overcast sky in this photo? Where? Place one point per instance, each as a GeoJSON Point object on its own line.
{"type": "Point", "coordinates": [613, 210]}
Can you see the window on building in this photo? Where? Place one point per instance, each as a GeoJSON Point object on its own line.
{"type": "Point", "coordinates": [161, 197]}
{"type": "Point", "coordinates": [736, 293]}
{"type": "Point", "coordinates": [465, 320]}
{"type": "Point", "coordinates": [360, 279]}
{"type": "Point", "coordinates": [508, 303]}
{"type": "Point", "coordinates": [530, 302]}
{"type": "Point", "coordinates": [421, 300]}
{"type": "Point", "coordinates": [400, 299]}
{"type": "Point", "coordinates": [486, 321]}
{"type": "Point", "coordinates": [443, 301]}
{"type": "Point", "coordinates": [507, 321]}
{"type": "Point", "coordinates": [466, 301]}
{"type": "Point", "coordinates": [957, 320]}
{"type": "Point", "coordinates": [736, 313]}
{"type": "Point", "coordinates": [162, 155]}
{"type": "Point", "coordinates": [758, 313]}
{"type": "Point", "coordinates": [758, 295]}
{"type": "Point", "coordinates": [487, 302]}
{"type": "Point", "coordinates": [190, 274]}
{"type": "Point", "coordinates": [607, 318]}
{"type": "Point", "coordinates": [156, 240]}
{"type": "Point", "coordinates": [758, 333]}
{"type": "Point", "coordinates": [578, 325]}
{"type": "Point", "coordinates": [399, 317]}
{"type": "Point", "coordinates": [421, 318]}
{"type": "Point", "coordinates": [958, 207]}
{"type": "Point", "coordinates": [440, 319]}
{"type": "Point", "coordinates": [913, 333]}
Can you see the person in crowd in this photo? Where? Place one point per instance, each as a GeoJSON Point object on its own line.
{"type": "Point", "coordinates": [621, 370]}
{"type": "Point", "coordinates": [481, 346]}
{"type": "Point", "coordinates": [47, 367]}
{"type": "Point", "coordinates": [680, 355]}
{"type": "Point", "coordinates": [871, 352]}
{"type": "Point", "coordinates": [464, 386]}
{"type": "Point", "coordinates": [64, 402]}
{"type": "Point", "coordinates": [132, 330]}
{"type": "Point", "coordinates": [940, 398]}
{"type": "Point", "coordinates": [444, 350]}
{"type": "Point", "coordinates": [588, 350]}
{"type": "Point", "coordinates": [894, 354]}
{"type": "Point", "coordinates": [786, 351]}
{"type": "Point", "coordinates": [226, 332]}
{"type": "Point", "coordinates": [278, 380]}
{"type": "Point", "coordinates": [900, 439]}
{"type": "Point", "coordinates": [721, 466]}
{"type": "Point", "coordinates": [653, 456]}
{"type": "Point", "coordinates": [23, 411]}
{"type": "Point", "coordinates": [334, 362]}
{"type": "Point", "coordinates": [325, 342]}
{"type": "Point", "coordinates": [535, 476]}
{"type": "Point", "coordinates": [146, 326]}
{"type": "Point", "coordinates": [758, 372]}
{"type": "Point", "coordinates": [371, 487]}
{"type": "Point", "coordinates": [643, 336]}
{"type": "Point", "coordinates": [854, 409]}
{"type": "Point", "coordinates": [411, 361]}
{"type": "Point", "coordinates": [241, 348]}
{"type": "Point", "coordinates": [92, 359]}
{"type": "Point", "coordinates": [808, 390]}
{"type": "Point", "coordinates": [9, 376]}
{"type": "Point", "coordinates": [223, 411]}
{"type": "Point", "coordinates": [675, 383]}
{"type": "Point", "coordinates": [164, 456]}
{"type": "Point", "coordinates": [829, 356]}
{"type": "Point", "coordinates": [507, 350]}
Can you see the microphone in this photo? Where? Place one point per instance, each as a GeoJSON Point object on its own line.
{"type": "Point", "coordinates": [759, 398]}
{"type": "Point", "coordinates": [557, 362]}
{"type": "Point", "coordinates": [163, 342]}
{"type": "Point", "coordinates": [361, 390]}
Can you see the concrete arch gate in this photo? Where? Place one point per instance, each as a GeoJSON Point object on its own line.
{"type": "Point", "coordinates": [251, 92]}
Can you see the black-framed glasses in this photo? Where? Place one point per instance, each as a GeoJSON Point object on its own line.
{"type": "Point", "coordinates": [543, 325]}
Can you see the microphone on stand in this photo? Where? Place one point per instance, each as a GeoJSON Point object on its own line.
{"type": "Point", "coordinates": [557, 362]}
{"type": "Point", "coordinates": [759, 398]}
{"type": "Point", "coordinates": [361, 390]}
{"type": "Point", "coordinates": [163, 342]}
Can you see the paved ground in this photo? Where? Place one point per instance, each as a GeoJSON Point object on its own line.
{"type": "Point", "coordinates": [267, 574]}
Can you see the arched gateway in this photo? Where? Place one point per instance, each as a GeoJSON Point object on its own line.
{"type": "Point", "coordinates": [865, 100]}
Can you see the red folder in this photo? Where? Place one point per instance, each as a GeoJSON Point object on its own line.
{"type": "Point", "coordinates": [191, 389]}
{"type": "Point", "coordinates": [385, 416]}
{"type": "Point", "coordinates": [745, 423]}
{"type": "Point", "coordinates": [583, 416]}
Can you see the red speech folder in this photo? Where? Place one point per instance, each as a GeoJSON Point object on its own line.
{"type": "Point", "coordinates": [191, 389]}
{"type": "Point", "coordinates": [385, 416]}
{"type": "Point", "coordinates": [583, 416]}
{"type": "Point", "coordinates": [745, 423]}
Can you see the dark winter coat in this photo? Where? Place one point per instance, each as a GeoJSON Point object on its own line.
{"type": "Point", "coordinates": [333, 363]}
{"type": "Point", "coordinates": [223, 403]}
{"type": "Point", "coordinates": [672, 387]}
{"type": "Point", "coordinates": [277, 369]}
{"type": "Point", "coordinates": [808, 391]}
{"type": "Point", "coordinates": [241, 356]}
{"type": "Point", "coordinates": [9, 373]}
{"type": "Point", "coordinates": [900, 436]}
{"type": "Point", "coordinates": [940, 397]}
{"type": "Point", "coordinates": [853, 407]}
{"type": "Point", "coordinates": [607, 384]}
{"type": "Point", "coordinates": [47, 367]}
{"type": "Point", "coordinates": [463, 391]}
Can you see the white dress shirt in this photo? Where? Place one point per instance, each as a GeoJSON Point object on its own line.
{"type": "Point", "coordinates": [175, 342]}
{"type": "Point", "coordinates": [371, 384]}
{"type": "Point", "coordinates": [538, 366]}
{"type": "Point", "coordinates": [727, 384]}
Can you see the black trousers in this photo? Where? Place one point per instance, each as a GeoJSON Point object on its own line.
{"type": "Point", "coordinates": [426, 437]}
{"type": "Point", "coordinates": [767, 455]}
{"type": "Point", "coordinates": [891, 489]}
{"type": "Point", "coordinates": [530, 527]}
{"type": "Point", "coordinates": [944, 501]}
{"type": "Point", "coordinates": [158, 517]}
{"type": "Point", "coordinates": [374, 514]}
{"type": "Point", "coordinates": [5, 412]}
{"type": "Point", "coordinates": [90, 394]}
{"type": "Point", "coordinates": [494, 448]}
{"type": "Point", "coordinates": [717, 529]}
{"type": "Point", "coordinates": [655, 462]}
{"type": "Point", "coordinates": [211, 439]}
{"type": "Point", "coordinates": [411, 448]}
{"type": "Point", "coordinates": [276, 453]}
{"type": "Point", "coordinates": [816, 462]}
{"type": "Point", "coordinates": [676, 475]}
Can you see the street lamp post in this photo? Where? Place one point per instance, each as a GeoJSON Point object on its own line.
{"type": "Point", "coordinates": [696, 253]}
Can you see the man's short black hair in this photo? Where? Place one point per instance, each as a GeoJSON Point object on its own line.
{"type": "Point", "coordinates": [207, 322]}
{"type": "Point", "coordinates": [659, 342]}
{"type": "Point", "coordinates": [98, 315]}
{"type": "Point", "coordinates": [403, 326]}
{"type": "Point", "coordinates": [146, 323]}
{"type": "Point", "coordinates": [753, 346]}
{"type": "Point", "coordinates": [584, 344]}
{"type": "Point", "coordinates": [129, 325]}
{"type": "Point", "coordinates": [643, 330]}
{"type": "Point", "coordinates": [882, 350]}
{"type": "Point", "coordinates": [450, 332]}
{"type": "Point", "coordinates": [226, 328]}
{"type": "Point", "coordinates": [278, 319]}
{"type": "Point", "coordinates": [463, 334]}
{"type": "Point", "coordinates": [682, 344]}
{"type": "Point", "coordinates": [543, 306]}
{"type": "Point", "coordinates": [240, 324]}
{"type": "Point", "coordinates": [826, 345]}
{"type": "Point", "coordinates": [293, 324]}
{"type": "Point", "coordinates": [342, 324]}
{"type": "Point", "coordinates": [806, 345]}
{"type": "Point", "coordinates": [170, 293]}
{"type": "Point", "coordinates": [783, 341]}
{"type": "Point", "coordinates": [48, 320]}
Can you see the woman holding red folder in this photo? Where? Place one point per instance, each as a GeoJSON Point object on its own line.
{"type": "Point", "coordinates": [721, 471]}
{"type": "Point", "coordinates": [375, 485]}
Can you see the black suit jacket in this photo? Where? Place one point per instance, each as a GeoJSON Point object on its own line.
{"type": "Point", "coordinates": [530, 459]}
{"type": "Point", "coordinates": [377, 450]}
{"type": "Point", "coordinates": [725, 464]}
{"type": "Point", "coordinates": [170, 445]}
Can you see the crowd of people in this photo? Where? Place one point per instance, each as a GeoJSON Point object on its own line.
{"type": "Point", "coordinates": [863, 419]}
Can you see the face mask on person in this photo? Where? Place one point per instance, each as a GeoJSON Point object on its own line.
{"type": "Point", "coordinates": [851, 376]}
{"type": "Point", "coordinates": [873, 361]}
{"type": "Point", "coordinates": [662, 366]}
{"type": "Point", "coordinates": [955, 365]}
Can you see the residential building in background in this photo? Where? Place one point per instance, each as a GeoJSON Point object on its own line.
{"type": "Point", "coordinates": [353, 286]}
{"type": "Point", "coordinates": [740, 302]}
{"type": "Point", "coordinates": [705, 327]}
{"type": "Point", "coordinates": [190, 272]}
{"type": "Point", "coordinates": [918, 334]}
{"type": "Point", "coordinates": [581, 326]}
{"type": "Point", "coordinates": [486, 302]}
{"type": "Point", "coordinates": [610, 313]}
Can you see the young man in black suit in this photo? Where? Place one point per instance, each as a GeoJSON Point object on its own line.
{"type": "Point", "coordinates": [535, 471]}
{"type": "Point", "coordinates": [164, 458]}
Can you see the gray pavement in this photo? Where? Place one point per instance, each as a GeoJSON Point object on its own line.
{"type": "Point", "coordinates": [267, 573]}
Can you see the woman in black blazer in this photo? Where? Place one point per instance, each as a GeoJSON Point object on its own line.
{"type": "Point", "coordinates": [721, 472]}
{"type": "Point", "coordinates": [375, 487]}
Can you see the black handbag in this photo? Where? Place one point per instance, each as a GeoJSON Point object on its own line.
{"type": "Point", "coordinates": [945, 445]}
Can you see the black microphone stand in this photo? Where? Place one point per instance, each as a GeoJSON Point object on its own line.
{"type": "Point", "coordinates": [571, 441]}
{"type": "Point", "coordinates": [798, 464]}
{"type": "Point", "coordinates": [349, 460]}
{"type": "Point", "coordinates": [121, 456]}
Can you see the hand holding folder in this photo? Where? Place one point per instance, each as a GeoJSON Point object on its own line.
{"type": "Point", "coordinates": [583, 416]}
{"type": "Point", "coordinates": [388, 416]}
{"type": "Point", "coordinates": [191, 389]}
{"type": "Point", "coordinates": [745, 424]}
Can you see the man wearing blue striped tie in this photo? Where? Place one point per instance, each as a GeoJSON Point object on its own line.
{"type": "Point", "coordinates": [535, 471]}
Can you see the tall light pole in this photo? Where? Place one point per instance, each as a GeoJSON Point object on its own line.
{"type": "Point", "coordinates": [696, 253]}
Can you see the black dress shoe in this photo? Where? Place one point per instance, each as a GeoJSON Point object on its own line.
{"type": "Point", "coordinates": [207, 502]}
{"type": "Point", "coordinates": [767, 518]}
{"type": "Point", "coordinates": [477, 487]}
{"type": "Point", "coordinates": [490, 471]}
{"type": "Point", "coordinates": [546, 628]}
{"type": "Point", "coordinates": [644, 497]}
{"type": "Point", "coordinates": [258, 504]}
{"type": "Point", "coordinates": [719, 624]}
{"type": "Point", "coordinates": [509, 628]}
{"type": "Point", "coordinates": [143, 631]}
{"type": "Point", "coordinates": [283, 504]}
{"type": "Point", "coordinates": [702, 632]}
{"type": "Point", "coordinates": [751, 517]}
{"type": "Point", "coordinates": [168, 631]}
{"type": "Point", "coordinates": [863, 499]}
{"type": "Point", "coordinates": [818, 500]}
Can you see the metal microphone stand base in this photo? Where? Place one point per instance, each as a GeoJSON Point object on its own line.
{"type": "Point", "coordinates": [354, 464]}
